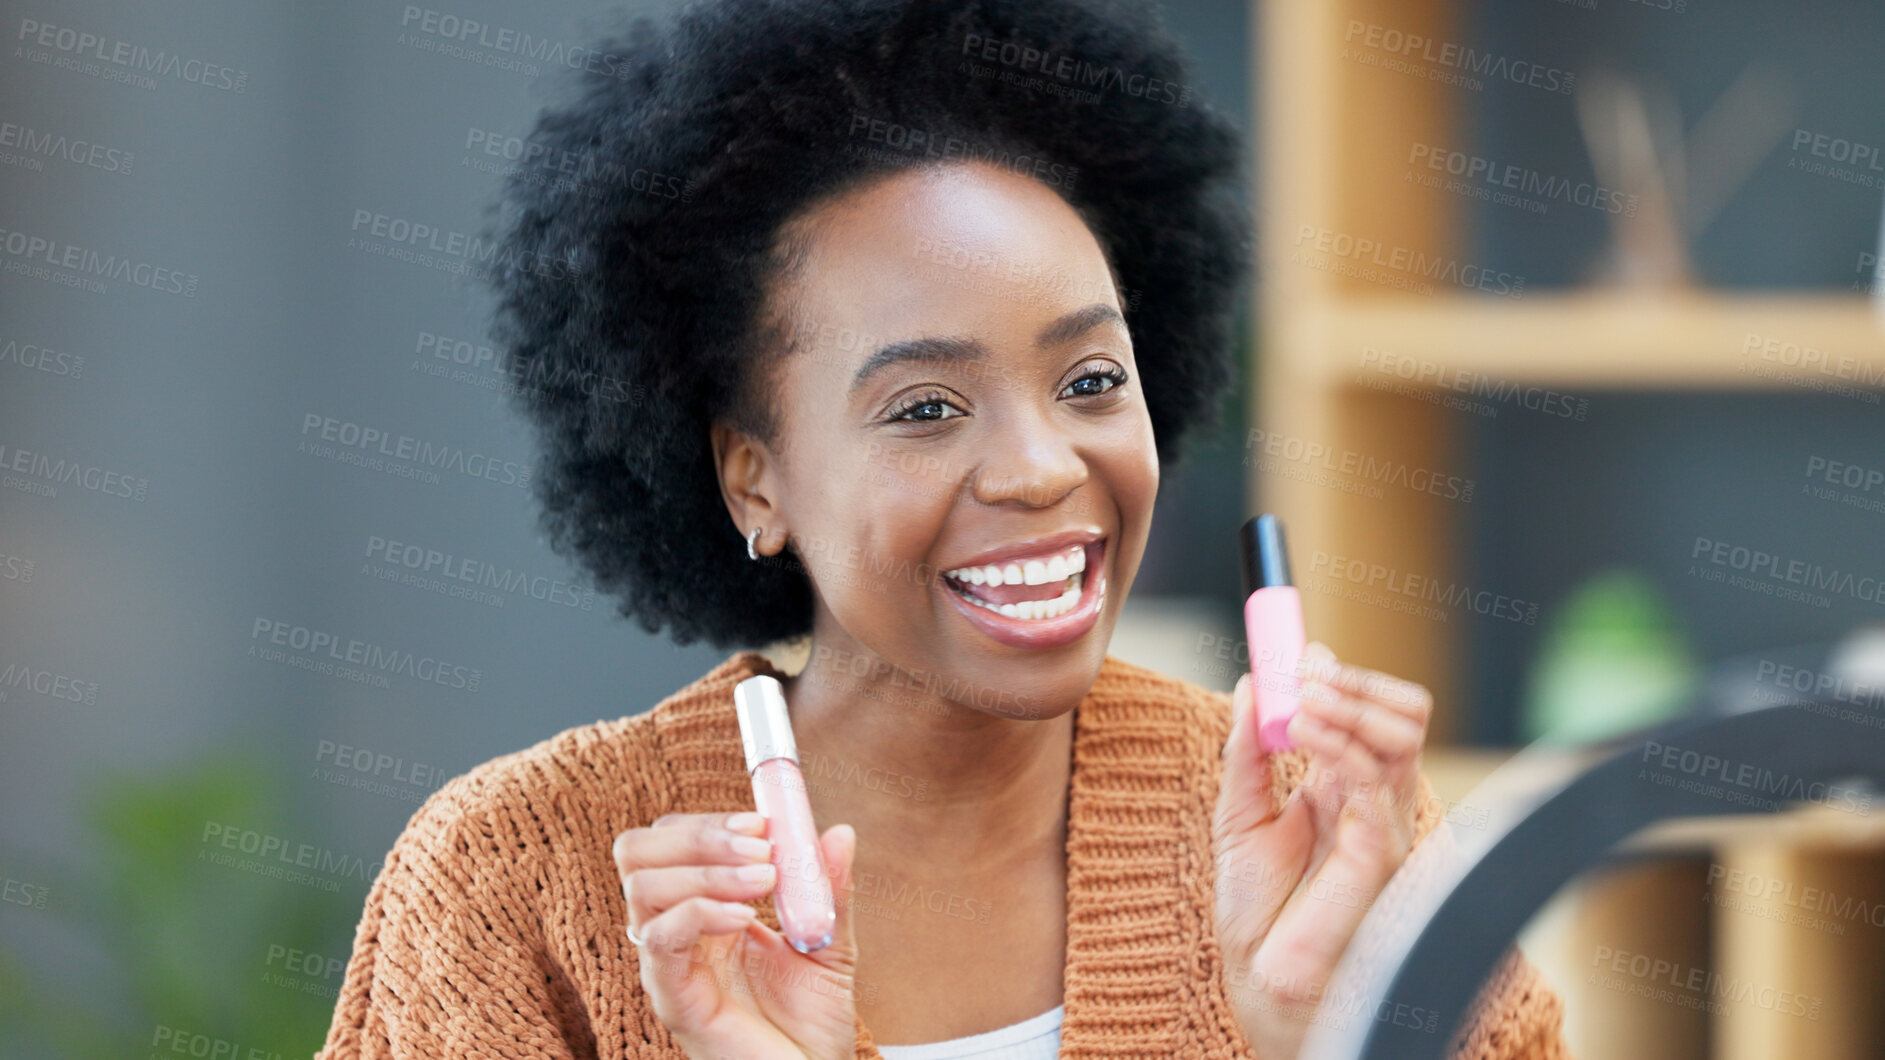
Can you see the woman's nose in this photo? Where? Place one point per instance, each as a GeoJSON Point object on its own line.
{"type": "Point", "coordinates": [1034, 464]}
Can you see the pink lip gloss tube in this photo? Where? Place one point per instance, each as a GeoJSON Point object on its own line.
{"type": "Point", "coordinates": [1273, 627]}
{"type": "Point", "coordinates": [802, 896]}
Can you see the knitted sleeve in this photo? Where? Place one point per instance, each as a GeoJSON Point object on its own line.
{"type": "Point", "coordinates": [446, 961]}
{"type": "Point", "coordinates": [1518, 1017]}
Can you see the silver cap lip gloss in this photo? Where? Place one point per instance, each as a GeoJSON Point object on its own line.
{"type": "Point", "coordinates": [765, 727]}
{"type": "Point", "coordinates": [802, 897]}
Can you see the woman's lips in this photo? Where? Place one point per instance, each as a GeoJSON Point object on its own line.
{"type": "Point", "coordinates": [1056, 577]}
{"type": "Point", "coordinates": [1039, 633]}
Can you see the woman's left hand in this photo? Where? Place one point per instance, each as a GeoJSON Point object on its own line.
{"type": "Point", "coordinates": [1294, 882]}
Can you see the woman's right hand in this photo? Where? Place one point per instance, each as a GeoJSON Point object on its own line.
{"type": "Point", "coordinates": [725, 985]}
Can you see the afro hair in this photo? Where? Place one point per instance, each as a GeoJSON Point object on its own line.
{"type": "Point", "coordinates": [640, 238]}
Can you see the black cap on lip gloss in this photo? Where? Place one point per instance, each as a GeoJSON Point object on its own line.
{"type": "Point", "coordinates": [1266, 563]}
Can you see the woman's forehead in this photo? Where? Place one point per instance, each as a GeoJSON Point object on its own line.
{"type": "Point", "coordinates": [942, 255]}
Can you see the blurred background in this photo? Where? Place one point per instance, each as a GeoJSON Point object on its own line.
{"type": "Point", "coordinates": [1562, 367]}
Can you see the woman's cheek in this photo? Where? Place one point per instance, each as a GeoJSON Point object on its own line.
{"type": "Point", "coordinates": [1138, 460]}
{"type": "Point", "coordinates": [898, 468]}
{"type": "Point", "coordinates": [1132, 476]}
{"type": "Point", "coordinates": [903, 475]}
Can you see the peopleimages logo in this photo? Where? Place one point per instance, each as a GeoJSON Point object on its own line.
{"type": "Point", "coordinates": [1405, 588]}
{"type": "Point", "coordinates": [1478, 169]}
{"type": "Point", "coordinates": [1693, 986]}
{"type": "Point", "coordinates": [1742, 782]}
{"type": "Point", "coordinates": [459, 575]}
{"type": "Point", "coordinates": [331, 438]}
{"type": "Point", "coordinates": [483, 366]}
{"type": "Point", "coordinates": [1357, 465]}
{"type": "Point", "coordinates": [361, 760]}
{"type": "Point", "coordinates": [1074, 71]}
{"type": "Point", "coordinates": [1452, 56]}
{"type": "Point", "coordinates": [36, 358]}
{"type": "Point", "coordinates": [1820, 683]}
{"type": "Point", "coordinates": [136, 58]}
{"type": "Point", "coordinates": [1832, 156]}
{"type": "Point", "coordinates": [1428, 378]}
{"type": "Point", "coordinates": [35, 472]}
{"type": "Point", "coordinates": [326, 650]}
{"type": "Point", "coordinates": [51, 684]}
{"type": "Point", "coordinates": [80, 152]}
{"type": "Point", "coordinates": [1774, 890]}
{"type": "Point", "coordinates": [89, 264]}
{"type": "Point", "coordinates": [1405, 266]}
{"type": "Point", "coordinates": [1775, 572]}
{"type": "Point", "coordinates": [443, 31]}
{"type": "Point", "coordinates": [273, 855]}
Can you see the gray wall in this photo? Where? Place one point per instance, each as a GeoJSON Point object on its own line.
{"type": "Point", "coordinates": [241, 176]}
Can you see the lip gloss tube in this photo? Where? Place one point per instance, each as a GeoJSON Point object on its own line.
{"type": "Point", "coordinates": [802, 894]}
{"type": "Point", "coordinates": [1273, 628]}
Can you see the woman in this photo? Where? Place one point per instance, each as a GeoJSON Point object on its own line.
{"type": "Point", "coordinates": [888, 296]}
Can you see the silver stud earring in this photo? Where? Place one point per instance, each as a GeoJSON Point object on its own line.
{"type": "Point", "coordinates": [750, 540]}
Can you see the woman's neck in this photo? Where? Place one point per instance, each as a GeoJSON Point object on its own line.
{"type": "Point", "coordinates": [921, 777]}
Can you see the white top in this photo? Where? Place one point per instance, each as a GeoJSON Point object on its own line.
{"type": "Point", "coordinates": [1035, 1038]}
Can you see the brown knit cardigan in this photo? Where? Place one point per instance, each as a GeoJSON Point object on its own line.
{"type": "Point", "coordinates": [495, 927]}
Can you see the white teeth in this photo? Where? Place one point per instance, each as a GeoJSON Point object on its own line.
{"type": "Point", "coordinates": [1030, 572]}
{"type": "Point", "coordinates": [1038, 609]}
{"type": "Point", "coordinates": [1067, 566]}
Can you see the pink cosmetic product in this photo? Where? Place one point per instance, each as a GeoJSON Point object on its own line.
{"type": "Point", "coordinates": [1273, 626]}
{"type": "Point", "coordinates": [802, 895]}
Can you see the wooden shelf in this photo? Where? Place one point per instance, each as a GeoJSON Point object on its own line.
{"type": "Point", "coordinates": [1335, 129]}
{"type": "Point", "coordinates": [1599, 339]}
{"type": "Point", "coordinates": [1817, 827]}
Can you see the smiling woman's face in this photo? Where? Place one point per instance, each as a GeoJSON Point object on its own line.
{"type": "Point", "coordinates": [962, 397]}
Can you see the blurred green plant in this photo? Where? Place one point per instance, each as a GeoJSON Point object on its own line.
{"type": "Point", "coordinates": [191, 947]}
{"type": "Point", "coordinates": [1612, 658]}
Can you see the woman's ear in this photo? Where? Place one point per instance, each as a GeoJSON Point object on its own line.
{"type": "Point", "coordinates": [749, 481]}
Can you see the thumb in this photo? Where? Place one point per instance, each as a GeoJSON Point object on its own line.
{"type": "Point", "coordinates": [840, 848]}
{"type": "Point", "coordinates": [1257, 847]}
{"type": "Point", "coordinates": [1244, 795]}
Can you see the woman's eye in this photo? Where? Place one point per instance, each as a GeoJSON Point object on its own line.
{"type": "Point", "coordinates": [926, 408]}
{"type": "Point", "coordinates": [1098, 381]}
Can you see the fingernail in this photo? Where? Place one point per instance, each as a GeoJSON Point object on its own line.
{"type": "Point", "coordinates": [746, 822]}
{"type": "Point", "coordinates": [754, 873]}
{"type": "Point", "coordinates": [739, 909]}
{"type": "Point", "coordinates": [748, 846]}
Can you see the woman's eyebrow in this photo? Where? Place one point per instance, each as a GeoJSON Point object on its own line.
{"type": "Point", "coordinates": [950, 350]}
{"type": "Point", "coordinates": [927, 349]}
{"type": "Point", "coordinates": [1078, 323]}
